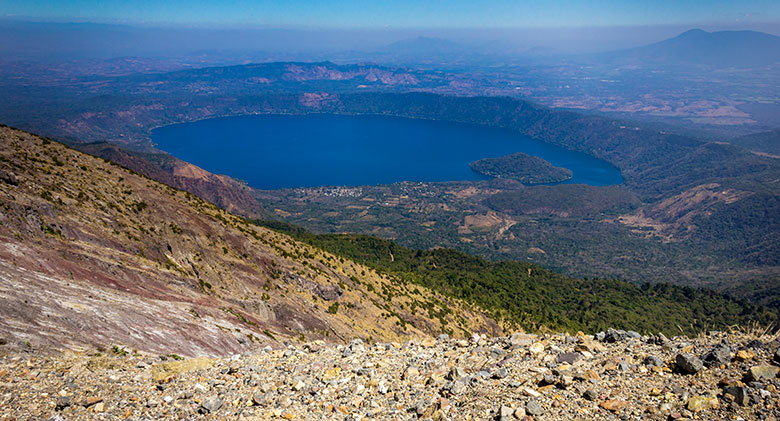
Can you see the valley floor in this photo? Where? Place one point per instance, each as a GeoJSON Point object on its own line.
{"type": "Point", "coordinates": [617, 375]}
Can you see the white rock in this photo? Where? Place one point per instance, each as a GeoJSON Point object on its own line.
{"type": "Point", "coordinates": [531, 392]}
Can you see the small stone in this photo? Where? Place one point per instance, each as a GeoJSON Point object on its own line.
{"type": "Point", "coordinates": [533, 408]}
{"type": "Point", "coordinates": [548, 379]}
{"type": "Point", "coordinates": [501, 373]}
{"type": "Point", "coordinates": [566, 381]}
{"type": "Point", "coordinates": [688, 363]}
{"type": "Point", "coordinates": [613, 405]}
{"type": "Point", "coordinates": [739, 394]}
{"type": "Point", "coordinates": [521, 339]}
{"type": "Point", "coordinates": [99, 407]}
{"type": "Point", "coordinates": [506, 411]}
{"type": "Point", "coordinates": [92, 401]}
{"type": "Point", "coordinates": [456, 373]}
{"type": "Point", "coordinates": [497, 353]}
{"type": "Point", "coordinates": [536, 348]}
{"type": "Point", "coordinates": [411, 372]}
{"type": "Point", "coordinates": [777, 355]}
{"type": "Point", "coordinates": [589, 345]}
{"type": "Point", "coordinates": [382, 388]}
{"type": "Point", "coordinates": [331, 374]}
{"type": "Point", "coordinates": [700, 403]}
{"type": "Point", "coordinates": [62, 403]}
{"type": "Point", "coordinates": [591, 375]}
{"type": "Point", "coordinates": [590, 395]}
{"type": "Point", "coordinates": [718, 355]}
{"type": "Point", "coordinates": [210, 405]}
{"type": "Point", "coordinates": [762, 372]}
{"type": "Point", "coordinates": [613, 336]}
{"type": "Point", "coordinates": [444, 405]}
{"type": "Point", "coordinates": [259, 399]}
{"type": "Point", "coordinates": [569, 357]}
{"type": "Point", "coordinates": [531, 392]}
{"type": "Point", "coordinates": [457, 387]}
{"type": "Point", "coordinates": [9, 178]}
{"type": "Point", "coordinates": [654, 361]}
{"type": "Point", "coordinates": [744, 355]}
{"type": "Point", "coordinates": [443, 337]}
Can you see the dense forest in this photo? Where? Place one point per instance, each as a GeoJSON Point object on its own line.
{"type": "Point", "coordinates": [578, 200]}
{"type": "Point", "coordinates": [530, 297]}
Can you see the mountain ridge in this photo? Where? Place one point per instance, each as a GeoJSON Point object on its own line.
{"type": "Point", "coordinates": [699, 47]}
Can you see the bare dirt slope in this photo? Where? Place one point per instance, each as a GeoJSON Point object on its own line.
{"type": "Point", "coordinates": [92, 254]}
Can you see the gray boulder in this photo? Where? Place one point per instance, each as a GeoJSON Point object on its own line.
{"type": "Point", "coordinates": [688, 363]}
{"type": "Point", "coordinates": [719, 355]}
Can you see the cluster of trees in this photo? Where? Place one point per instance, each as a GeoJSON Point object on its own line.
{"type": "Point", "coordinates": [575, 200]}
{"type": "Point", "coordinates": [524, 168]}
{"type": "Point", "coordinates": [533, 298]}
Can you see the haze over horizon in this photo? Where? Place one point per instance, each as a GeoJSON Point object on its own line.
{"type": "Point", "coordinates": [401, 14]}
{"type": "Point", "coordinates": [304, 26]}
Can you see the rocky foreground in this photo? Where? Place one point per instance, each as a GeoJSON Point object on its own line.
{"type": "Point", "coordinates": [612, 375]}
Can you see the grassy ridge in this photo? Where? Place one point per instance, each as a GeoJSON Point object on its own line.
{"type": "Point", "coordinates": [533, 298]}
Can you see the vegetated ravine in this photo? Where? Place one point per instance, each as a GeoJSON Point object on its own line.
{"type": "Point", "coordinates": [279, 151]}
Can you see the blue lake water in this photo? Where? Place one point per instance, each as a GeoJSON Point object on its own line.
{"type": "Point", "coordinates": [278, 151]}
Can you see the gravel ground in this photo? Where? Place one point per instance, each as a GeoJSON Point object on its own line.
{"type": "Point", "coordinates": [611, 375]}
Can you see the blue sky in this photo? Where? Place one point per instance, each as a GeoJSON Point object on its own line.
{"type": "Point", "coordinates": [400, 13]}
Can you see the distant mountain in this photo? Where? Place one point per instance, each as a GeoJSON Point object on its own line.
{"type": "Point", "coordinates": [720, 49]}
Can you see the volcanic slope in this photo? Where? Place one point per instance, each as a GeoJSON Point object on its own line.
{"type": "Point", "coordinates": [94, 255]}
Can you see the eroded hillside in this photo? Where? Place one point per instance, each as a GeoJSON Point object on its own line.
{"type": "Point", "coordinates": [92, 254]}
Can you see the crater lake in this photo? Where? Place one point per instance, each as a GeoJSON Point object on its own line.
{"type": "Point", "coordinates": [285, 151]}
